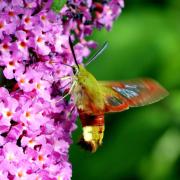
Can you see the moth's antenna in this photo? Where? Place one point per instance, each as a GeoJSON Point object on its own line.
{"type": "Point", "coordinates": [72, 50]}
{"type": "Point", "coordinates": [67, 65]}
{"type": "Point", "coordinates": [98, 53]}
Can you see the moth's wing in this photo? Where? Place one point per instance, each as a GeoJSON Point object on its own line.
{"type": "Point", "coordinates": [131, 93]}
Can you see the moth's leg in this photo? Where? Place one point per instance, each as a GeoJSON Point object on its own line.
{"type": "Point", "coordinates": [69, 92]}
{"type": "Point", "coordinates": [71, 111]}
{"type": "Point", "coordinates": [65, 85]}
{"type": "Point", "coordinates": [61, 78]}
{"type": "Point", "coordinates": [66, 77]}
{"type": "Point", "coordinates": [71, 88]}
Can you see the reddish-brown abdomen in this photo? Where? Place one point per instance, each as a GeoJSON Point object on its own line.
{"type": "Point", "coordinates": [91, 120]}
{"type": "Point", "coordinates": [93, 131]}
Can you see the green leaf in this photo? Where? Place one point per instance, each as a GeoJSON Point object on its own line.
{"type": "Point", "coordinates": [57, 5]}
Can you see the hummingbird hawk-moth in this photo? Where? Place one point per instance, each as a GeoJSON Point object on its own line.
{"type": "Point", "coordinates": [95, 98]}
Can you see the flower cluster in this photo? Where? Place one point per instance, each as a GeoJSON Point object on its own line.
{"type": "Point", "coordinates": [35, 122]}
{"type": "Point", "coordinates": [90, 14]}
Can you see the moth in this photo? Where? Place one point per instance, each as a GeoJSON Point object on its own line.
{"type": "Point", "coordinates": [95, 98]}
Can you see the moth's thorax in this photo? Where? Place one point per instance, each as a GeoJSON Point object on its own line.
{"type": "Point", "coordinates": [87, 91]}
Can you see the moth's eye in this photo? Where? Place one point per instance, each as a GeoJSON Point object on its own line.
{"type": "Point", "coordinates": [74, 70]}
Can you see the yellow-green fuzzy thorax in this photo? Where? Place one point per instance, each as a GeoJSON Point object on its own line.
{"type": "Point", "coordinates": [87, 87]}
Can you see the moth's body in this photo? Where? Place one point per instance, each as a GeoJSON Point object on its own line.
{"type": "Point", "coordinates": [94, 98]}
{"type": "Point", "coordinates": [88, 90]}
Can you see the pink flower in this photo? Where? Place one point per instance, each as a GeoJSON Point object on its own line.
{"type": "Point", "coordinates": [12, 153]}
{"type": "Point", "coordinates": [13, 64]}
{"type": "Point", "coordinates": [8, 106]}
{"type": "Point", "coordinates": [40, 42]}
{"type": "Point", "coordinates": [22, 43]}
{"type": "Point", "coordinates": [35, 121]}
{"type": "Point", "coordinates": [6, 27]}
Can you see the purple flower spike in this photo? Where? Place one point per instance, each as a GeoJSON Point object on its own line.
{"type": "Point", "coordinates": [35, 121]}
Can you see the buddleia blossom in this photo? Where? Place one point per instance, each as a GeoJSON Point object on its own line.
{"type": "Point", "coordinates": [83, 16]}
{"type": "Point", "coordinates": [35, 121]}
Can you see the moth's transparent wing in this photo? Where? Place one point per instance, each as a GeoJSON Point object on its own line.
{"type": "Point", "coordinates": [132, 93]}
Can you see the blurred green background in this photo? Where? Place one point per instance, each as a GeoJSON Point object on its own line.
{"type": "Point", "coordinates": [141, 143]}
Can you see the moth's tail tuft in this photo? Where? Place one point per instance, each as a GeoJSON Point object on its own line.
{"type": "Point", "coordinates": [88, 145]}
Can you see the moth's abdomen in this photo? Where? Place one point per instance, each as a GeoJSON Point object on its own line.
{"type": "Point", "coordinates": [93, 131]}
